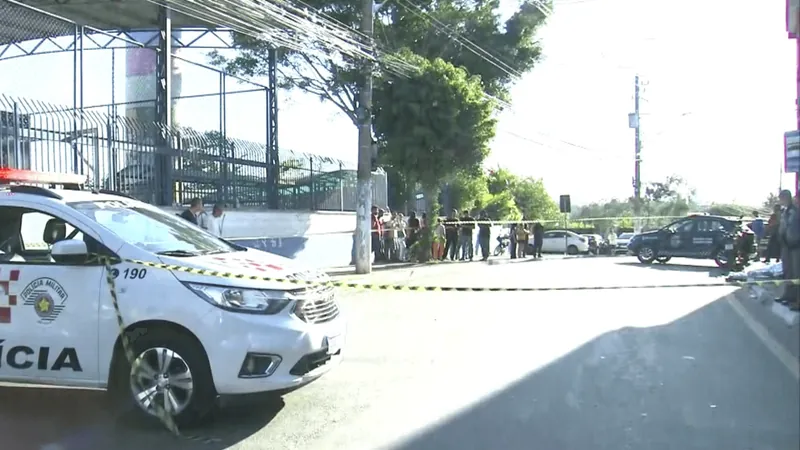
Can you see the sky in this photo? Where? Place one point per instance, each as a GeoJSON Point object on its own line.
{"type": "Point", "coordinates": [718, 92]}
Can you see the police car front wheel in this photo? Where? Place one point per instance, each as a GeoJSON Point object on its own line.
{"type": "Point", "coordinates": [169, 377]}
{"type": "Point", "coordinates": [646, 255]}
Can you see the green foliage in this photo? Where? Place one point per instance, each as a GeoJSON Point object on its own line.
{"type": "Point", "coordinates": [503, 207]}
{"type": "Point", "coordinates": [503, 195]}
{"type": "Point", "coordinates": [433, 124]}
{"type": "Point", "coordinates": [730, 210]}
{"type": "Point", "coordinates": [531, 199]}
{"type": "Point", "coordinates": [670, 197]}
{"type": "Point", "coordinates": [442, 111]}
{"type": "Point", "coordinates": [468, 190]}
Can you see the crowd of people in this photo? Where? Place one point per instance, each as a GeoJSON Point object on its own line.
{"type": "Point", "coordinates": [395, 237]}
{"type": "Point", "coordinates": [782, 232]}
{"type": "Point", "coordinates": [211, 222]}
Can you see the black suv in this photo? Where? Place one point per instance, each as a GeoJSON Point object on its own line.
{"type": "Point", "coordinates": [696, 236]}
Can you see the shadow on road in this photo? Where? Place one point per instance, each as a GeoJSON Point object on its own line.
{"type": "Point", "coordinates": [712, 271]}
{"type": "Point", "coordinates": [33, 418]}
{"type": "Point", "coordinates": [700, 382]}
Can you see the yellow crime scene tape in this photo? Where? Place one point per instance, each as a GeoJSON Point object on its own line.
{"type": "Point", "coordinates": [165, 417]}
{"type": "Point", "coordinates": [400, 287]}
{"type": "Point", "coordinates": [168, 421]}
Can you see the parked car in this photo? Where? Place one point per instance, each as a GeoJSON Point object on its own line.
{"type": "Point", "coordinates": [622, 242]}
{"type": "Point", "coordinates": [560, 241]}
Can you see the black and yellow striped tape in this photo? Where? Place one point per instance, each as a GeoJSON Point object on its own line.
{"type": "Point", "coordinates": [399, 287]}
{"type": "Point", "coordinates": [134, 362]}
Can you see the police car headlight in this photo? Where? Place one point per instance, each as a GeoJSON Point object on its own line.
{"type": "Point", "coordinates": [257, 301]}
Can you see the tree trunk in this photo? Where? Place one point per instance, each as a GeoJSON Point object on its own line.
{"type": "Point", "coordinates": [424, 251]}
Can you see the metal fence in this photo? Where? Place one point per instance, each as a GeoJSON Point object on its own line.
{"type": "Point", "coordinates": [120, 153]}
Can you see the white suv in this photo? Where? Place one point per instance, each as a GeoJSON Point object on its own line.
{"type": "Point", "coordinates": [211, 328]}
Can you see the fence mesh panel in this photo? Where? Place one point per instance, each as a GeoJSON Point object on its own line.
{"type": "Point", "coordinates": [119, 153]}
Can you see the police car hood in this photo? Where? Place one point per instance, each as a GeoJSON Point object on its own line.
{"type": "Point", "coordinates": [251, 268]}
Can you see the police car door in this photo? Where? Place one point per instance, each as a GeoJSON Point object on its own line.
{"type": "Point", "coordinates": [708, 236]}
{"type": "Point", "coordinates": [680, 241]}
{"type": "Point", "coordinates": [48, 310]}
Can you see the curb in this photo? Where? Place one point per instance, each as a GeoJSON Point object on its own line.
{"type": "Point", "coordinates": [766, 297]}
{"type": "Point", "coordinates": [351, 270]}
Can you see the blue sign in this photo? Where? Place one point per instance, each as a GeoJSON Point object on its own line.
{"type": "Point", "coordinates": [791, 151]}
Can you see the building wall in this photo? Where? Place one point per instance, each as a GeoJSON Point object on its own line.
{"type": "Point", "coordinates": [316, 239]}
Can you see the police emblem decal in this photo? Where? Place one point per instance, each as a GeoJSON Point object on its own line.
{"type": "Point", "coordinates": [47, 297]}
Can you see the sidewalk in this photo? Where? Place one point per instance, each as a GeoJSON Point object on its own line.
{"type": "Point", "coordinates": [493, 260]}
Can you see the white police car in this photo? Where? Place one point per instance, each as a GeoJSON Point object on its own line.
{"type": "Point", "coordinates": [196, 337]}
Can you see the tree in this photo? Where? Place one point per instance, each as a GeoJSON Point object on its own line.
{"type": "Point", "coordinates": [434, 124]}
{"type": "Point", "coordinates": [430, 29]}
{"type": "Point", "coordinates": [533, 201]}
{"type": "Point", "coordinates": [468, 190]}
{"type": "Point", "coordinates": [530, 198]}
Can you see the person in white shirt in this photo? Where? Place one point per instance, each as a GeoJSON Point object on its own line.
{"type": "Point", "coordinates": [213, 222]}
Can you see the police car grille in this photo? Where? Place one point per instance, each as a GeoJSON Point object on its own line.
{"type": "Point", "coordinates": [318, 306]}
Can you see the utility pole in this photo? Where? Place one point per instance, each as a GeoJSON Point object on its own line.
{"type": "Point", "coordinates": [363, 241]}
{"type": "Point", "coordinates": [637, 173]}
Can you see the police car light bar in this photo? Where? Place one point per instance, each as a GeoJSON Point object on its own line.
{"type": "Point", "coordinates": [8, 175]}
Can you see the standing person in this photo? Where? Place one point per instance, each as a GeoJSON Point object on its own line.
{"type": "Point", "coordinates": [376, 233]}
{"type": "Point", "coordinates": [773, 245]}
{"type": "Point", "coordinates": [213, 222]}
{"type": "Point", "coordinates": [423, 222]}
{"type": "Point", "coordinates": [195, 209]}
{"type": "Point", "coordinates": [451, 247]}
{"type": "Point", "coordinates": [390, 242]}
{"type": "Point", "coordinates": [789, 238]}
{"type": "Point", "coordinates": [484, 234]}
{"type": "Point", "coordinates": [400, 241]}
{"type": "Point", "coordinates": [538, 239]}
{"type": "Point", "coordinates": [612, 242]}
{"type": "Point", "coordinates": [413, 231]}
{"type": "Point", "coordinates": [522, 239]}
{"type": "Point", "coordinates": [512, 239]}
{"type": "Point", "coordinates": [438, 240]}
{"type": "Point", "coordinates": [467, 240]}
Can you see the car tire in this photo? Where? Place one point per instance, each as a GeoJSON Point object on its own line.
{"type": "Point", "coordinates": [646, 255]}
{"type": "Point", "coordinates": [572, 250]}
{"type": "Point", "coordinates": [185, 357]}
{"type": "Point", "coordinates": [720, 259]}
{"type": "Point", "coordinates": [663, 259]}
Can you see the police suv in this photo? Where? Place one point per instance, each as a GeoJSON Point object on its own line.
{"type": "Point", "coordinates": [695, 236]}
{"type": "Point", "coordinates": [195, 337]}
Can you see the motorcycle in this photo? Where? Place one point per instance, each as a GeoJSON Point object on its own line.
{"type": "Point", "coordinates": [503, 242]}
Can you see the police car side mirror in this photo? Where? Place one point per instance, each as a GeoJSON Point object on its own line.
{"type": "Point", "coordinates": [70, 251]}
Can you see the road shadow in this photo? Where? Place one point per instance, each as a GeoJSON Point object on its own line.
{"type": "Point", "coordinates": [682, 385]}
{"type": "Point", "coordinates": [33, 418]}
{"type": "Point", "coordinates": [713, 272]}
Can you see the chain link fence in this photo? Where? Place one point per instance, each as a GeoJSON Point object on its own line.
{"type": "Point", "coordinates": [119, 153]}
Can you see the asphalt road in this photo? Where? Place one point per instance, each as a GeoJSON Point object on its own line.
{"type": "Point", "coordinates": [689, 368]}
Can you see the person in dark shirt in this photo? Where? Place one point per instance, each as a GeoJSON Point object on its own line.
{"type": "Point", "coordinates": [413, 230]}
{"type": "Point", "coordinates": [195, 209]}
{"type": "Point", "coordinates": [484, 233]}
{"type": "Point", "coordinates": [538, 239]}
{"type": "Point", "coordinates": [467, 241]}
{"type": "Point", "coordinates": [451, 236]}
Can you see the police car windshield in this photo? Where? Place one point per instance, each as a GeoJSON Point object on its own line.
{"type": "Point", "coordinates": [153, 230]}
